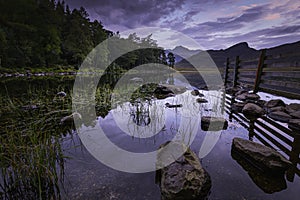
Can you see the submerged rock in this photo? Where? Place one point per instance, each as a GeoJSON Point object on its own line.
{"type": "Point", "coordinates": [184, 179]}
{"type": "Point", "coordinates": [280, 116]}
{"type": "Point", "coordinates": [252, 111]}
{"type": "Point", "coordinates": [294, 124]}
{"type": "Point", "coordinates": [61, 94]}
{"type": "Point", "coordinates": [265, 158]}
{"type": "Point", "coordinates": [168, 105]}
{"type": "Point", "coordinates": [267, 182]}
{"type": "Point", "coordinates": [274, 103]}
{"type": "Point", "coordinates": [195, 92]}
{"type": "Point", "coordinates": [201, 100]}
{"type": "Point", "coordinates": [213, 123]}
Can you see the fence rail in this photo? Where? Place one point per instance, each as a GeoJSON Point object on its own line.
{"type": "Point", "coordinates": [276, 74]}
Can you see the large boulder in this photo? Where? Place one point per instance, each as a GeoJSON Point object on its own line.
{"type": "Point", "coordinates": [294, 124]}
{"type": "Point", "coordinates": [164, 90]}
{"type": "Point", "coordinates": [267, 182]}
{"type": "Point", "coordinates": [280, 116]}
{"type": "Point", "coordinates": [274, 103]}
{"type": "Point", "coordinates": [252, 111]}
{"type": "Point", "coordinates": [184, 179]}
{"type": "Point", "coordinates": [266, 158]}
{"type": "Point", "coordinates": [213, 123]}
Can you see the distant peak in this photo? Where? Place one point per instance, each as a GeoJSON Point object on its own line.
{"type": "Point", "coordinates": [241, 44]}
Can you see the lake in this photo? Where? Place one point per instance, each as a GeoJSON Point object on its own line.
{"type": "Point", "coordinates": [31, 119]}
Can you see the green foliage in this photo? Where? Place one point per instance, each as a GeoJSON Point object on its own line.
{"type": "Point", "coordinates": [44, 33]}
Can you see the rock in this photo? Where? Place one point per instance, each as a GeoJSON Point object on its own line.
{"type": "Point", "coordinates": [267, 182]}
{"type": "Point", "coordinates": [168, 105]}
{"type": "Point", "coordinates": [242, 97]}
{"type": "Point", "coordinates": [241, 91]}
{"type": "Point", "coordinates": [61, 94]}
{"type": "Point", "coordinates": [274, 103]}
{"type": "Point", "coordinates": [261, 103]}
{"type": "Point", "coordinates": [275, 109]}
{"type": "Point", "coordinates": [213, 123]}
{"type": "Point", "coordinates": [294, 124]}
{"type": "Point", "coordinates": [238, 107]}
{"type": "Point", "coordinates": [232, 90]}
{"type": "Point", "coordinates": [280, 116]}
{"type": "Point", "coordinates": [252, 111]}
{"type": "Point", "coordinates": [266, 158]}
{"type": "Point", "coordinates": [195, 92]}
{"type": "Point", "coordinates": [183, 179]}
{"type": "Point", "coordinates": [295, 114]}
{"type": "Point", "coordinates": [201, 100]}
{"type": "Point", "coordinates": [252, 97]}
{"type": "Point", "coordinates": [162, 92]}
{"type": "Point", "coordinates": [293, 107]}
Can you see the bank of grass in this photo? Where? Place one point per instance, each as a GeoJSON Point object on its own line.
{"type": "Point", "coordinates": [31, 156]}
{"type": "Point", "coordinates": [33, 70]}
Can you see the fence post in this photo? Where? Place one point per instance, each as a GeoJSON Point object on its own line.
{"type": "Point", "coordinates": [236, 68]}
{"type": "Point", "coordinates": [226, 72]}
{"type": "Point", "coordinates": [259, 70]}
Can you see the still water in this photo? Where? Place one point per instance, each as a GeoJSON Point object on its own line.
{"type": "Point", "coordinates": [85, 177]}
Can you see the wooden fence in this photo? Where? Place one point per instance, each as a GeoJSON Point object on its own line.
{"type": "Point", "coordinates": [275, 74]}
{"type": "Point", "coordinates": [270, 133]}
{"type": "Point", "coordinates": [279, 75]}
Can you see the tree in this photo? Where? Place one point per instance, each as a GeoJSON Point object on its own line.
{"type": "Point", "coordinates": [171, 59]}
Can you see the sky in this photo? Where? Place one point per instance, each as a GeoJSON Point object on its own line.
{"type": "Point", "coordinates": [213, 24]}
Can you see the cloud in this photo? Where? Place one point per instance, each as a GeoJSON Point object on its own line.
{"type": "Point", "coordinates": [131, 14]}
{"type": "Point", "coordinates": [213, 23]}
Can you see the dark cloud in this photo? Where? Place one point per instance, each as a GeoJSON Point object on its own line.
{"type": "Point", "coordinates": [131, 13]}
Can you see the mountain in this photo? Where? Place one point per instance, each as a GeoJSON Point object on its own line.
{"type": "Point", "coordinates": [181, 52]}
{"type": "Point", "coordinates": [242, 50]}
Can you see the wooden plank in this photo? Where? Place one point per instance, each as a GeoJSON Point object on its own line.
{"type": "Point", "coordinates": [286, 84]}
{"type": "Point", "coordinates": [248, 66]}
{"type": "Point", "coordinates": [278, 126]}
{"type": "Point", "coordinates": [290, 95]}
{"type": "Point", "coordinates": [259, 70]}
{"type": "Point", "coordinates": [287, 74]}
{"type": "Point", "coordinates": [246, 79]}
{"type": "Point", "coordinates": [275, 133]}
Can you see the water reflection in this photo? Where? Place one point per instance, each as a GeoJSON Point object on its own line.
{"type": "Point", "coordinates": [272, 134]}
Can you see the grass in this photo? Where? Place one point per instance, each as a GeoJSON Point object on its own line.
{"type": "Point", "coordinates": [31, 156]}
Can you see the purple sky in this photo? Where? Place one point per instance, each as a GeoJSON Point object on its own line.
{"type": "Point", "coordinates": [214, 24]}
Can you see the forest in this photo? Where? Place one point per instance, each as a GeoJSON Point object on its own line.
{"type": "Point", "coordinates": [47, 34]}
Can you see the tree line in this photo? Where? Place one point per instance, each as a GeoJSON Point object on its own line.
{"type": "Point", "coordinates": [46, 33]}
